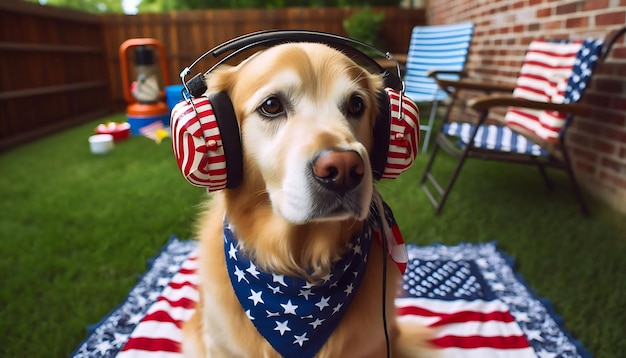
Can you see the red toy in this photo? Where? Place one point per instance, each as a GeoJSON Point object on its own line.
{"type": "Point", "coordinates": [119, 131]}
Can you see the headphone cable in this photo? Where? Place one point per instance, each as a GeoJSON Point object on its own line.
{"type": "Point", "coordinates": [384, 281]}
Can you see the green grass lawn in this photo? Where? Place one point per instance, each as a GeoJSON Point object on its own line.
{"type": "Point", "coordinates": [77, 229]}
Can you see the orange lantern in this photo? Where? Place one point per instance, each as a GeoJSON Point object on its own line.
{"type": "Point", "coordinates": [145, 96]}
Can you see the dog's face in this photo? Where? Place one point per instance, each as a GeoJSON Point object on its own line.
{"type": "Point", "coordinates": [306, 114]}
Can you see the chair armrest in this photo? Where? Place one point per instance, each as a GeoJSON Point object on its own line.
{"type": "Point", "coordinates": [487, 102]}
{"type": "Point", "coordinates": [435, 73]}
{"type": "Point", "coordinates": [400, 57]}
{"type": "Point", "coordinates": [468, 84]}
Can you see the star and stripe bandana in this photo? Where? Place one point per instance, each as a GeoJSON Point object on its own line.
{"type": "Point", "coordinates": [296, 316]}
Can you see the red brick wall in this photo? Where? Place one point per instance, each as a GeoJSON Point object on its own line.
{"type": "Point", "coordinates": [504, 28]}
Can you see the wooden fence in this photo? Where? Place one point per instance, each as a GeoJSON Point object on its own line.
{"type": "Point", "coordinates": [53, 72]}
{"type": "Point", "coordinates": [186, 35]}
{"type": "Point", "coordinates": [60, 67]}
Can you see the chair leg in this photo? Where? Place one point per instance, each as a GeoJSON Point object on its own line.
{"type": "Point", "coordinates": [575, 187]}
{"type": "Point", "coordinates": [455, 174]}
{"type": "Point", "coordinates": [545, 177]}
{"type": "Point", "coordinates": [428, 176]}
{"type": "Point", "coordinates": [431, 160]}
{"type": "Point", "coordinates": [429, 127]}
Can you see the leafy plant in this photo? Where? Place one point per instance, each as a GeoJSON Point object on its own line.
{"type": "Point", "coordinates": [364, 25]}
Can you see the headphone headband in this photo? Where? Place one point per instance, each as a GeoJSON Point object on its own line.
{"type": "Point", "coordinates": [208, 144]}
{"type": "Point", "coordinates": [275, 37]}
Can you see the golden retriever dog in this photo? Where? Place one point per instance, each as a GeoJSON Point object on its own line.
{"type": "Point", "coordinates": [306, 114]}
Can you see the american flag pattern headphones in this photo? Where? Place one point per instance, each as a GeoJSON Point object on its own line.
{"type": "Point", "coordinates": [205, 133]}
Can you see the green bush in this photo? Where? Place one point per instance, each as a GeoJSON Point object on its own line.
{"type": "Point", "coordinates": [364, 25]}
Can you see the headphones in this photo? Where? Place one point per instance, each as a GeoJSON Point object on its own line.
{"type": "Point", "coordinates": [205, 133]}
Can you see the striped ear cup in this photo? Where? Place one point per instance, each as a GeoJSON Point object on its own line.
{"type": "Point", "coordinates": [403, 132]}
{"type": "Point", "coordinates": [206, 142]}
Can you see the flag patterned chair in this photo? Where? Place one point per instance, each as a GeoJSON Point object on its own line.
{"type": "Point", "coordinates": [438, 51]}
{"type": "Point", "coordinates": [543, 101]}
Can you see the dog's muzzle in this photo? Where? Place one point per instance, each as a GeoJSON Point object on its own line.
{"type": "Point", "coordinates": [336, 182]}
{"type": "Point", "coordinates": [338, 171]}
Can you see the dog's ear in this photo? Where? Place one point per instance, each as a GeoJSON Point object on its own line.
{"type": "Point", "coordinates": [376, 86]}
{"type": "Point", "coordinates": [221, 79]}
{"type": "Point", "coordinates": [224, 77]}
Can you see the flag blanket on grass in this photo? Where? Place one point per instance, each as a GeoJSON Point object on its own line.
{"type": "Point", "coordinates": [469, 292]}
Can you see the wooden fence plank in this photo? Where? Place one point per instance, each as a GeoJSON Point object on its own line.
{"type": "Point", "coordinates": [188, 34]}
{"type": "Point", "coordinates": [53, 72]}
{"type": "Point", "coordinates": [67, 62]}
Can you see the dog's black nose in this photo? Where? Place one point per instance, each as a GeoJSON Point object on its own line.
{"type": "Point", "coordinates": [338, 171]}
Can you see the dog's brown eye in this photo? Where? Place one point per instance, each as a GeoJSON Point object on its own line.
{"type": "Point", "coordinates": [356, 106]}
{"type": "Point", "coordinates": [272, 107]}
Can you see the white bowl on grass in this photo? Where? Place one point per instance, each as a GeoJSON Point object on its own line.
{"type": "Point", "coordinates": [101, 143]}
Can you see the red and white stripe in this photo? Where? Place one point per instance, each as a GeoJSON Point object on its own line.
{"type": "Point", "coordinates": [394, 242]}
{"type": "Point", "coordinates": [159, 333]}
{"type": "Point", "coordinates": [403, 135]}
{"type": "Point", "coordinates": [543, 77]}
{"type": "Point", "coordinates": [197, 144]}
{"type": "Point", "coordinates": [468, 329]}
{"type": "Point", "coordinates": [150, 130]}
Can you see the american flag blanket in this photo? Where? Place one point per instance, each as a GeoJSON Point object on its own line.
{"type": "Point", "coordinates": [470, 292]}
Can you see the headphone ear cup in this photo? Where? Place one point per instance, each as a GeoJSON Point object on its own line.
{"type": "Point", "coordinates": [391, 80]}
{"type": "Point", "coordinates": [207, 142]}
{"type": "Point", "coordinates": [378, 157]}
{"type": "Point", "coordinates": [396, 145]}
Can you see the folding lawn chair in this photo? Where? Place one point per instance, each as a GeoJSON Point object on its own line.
{"type": "Point", "coordinates": [440, 49]}
{"type": "Point", "coordinates": [546, 96]}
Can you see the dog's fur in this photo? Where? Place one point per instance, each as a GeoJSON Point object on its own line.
{"type": "Point", "coordinates": [285, 219]}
